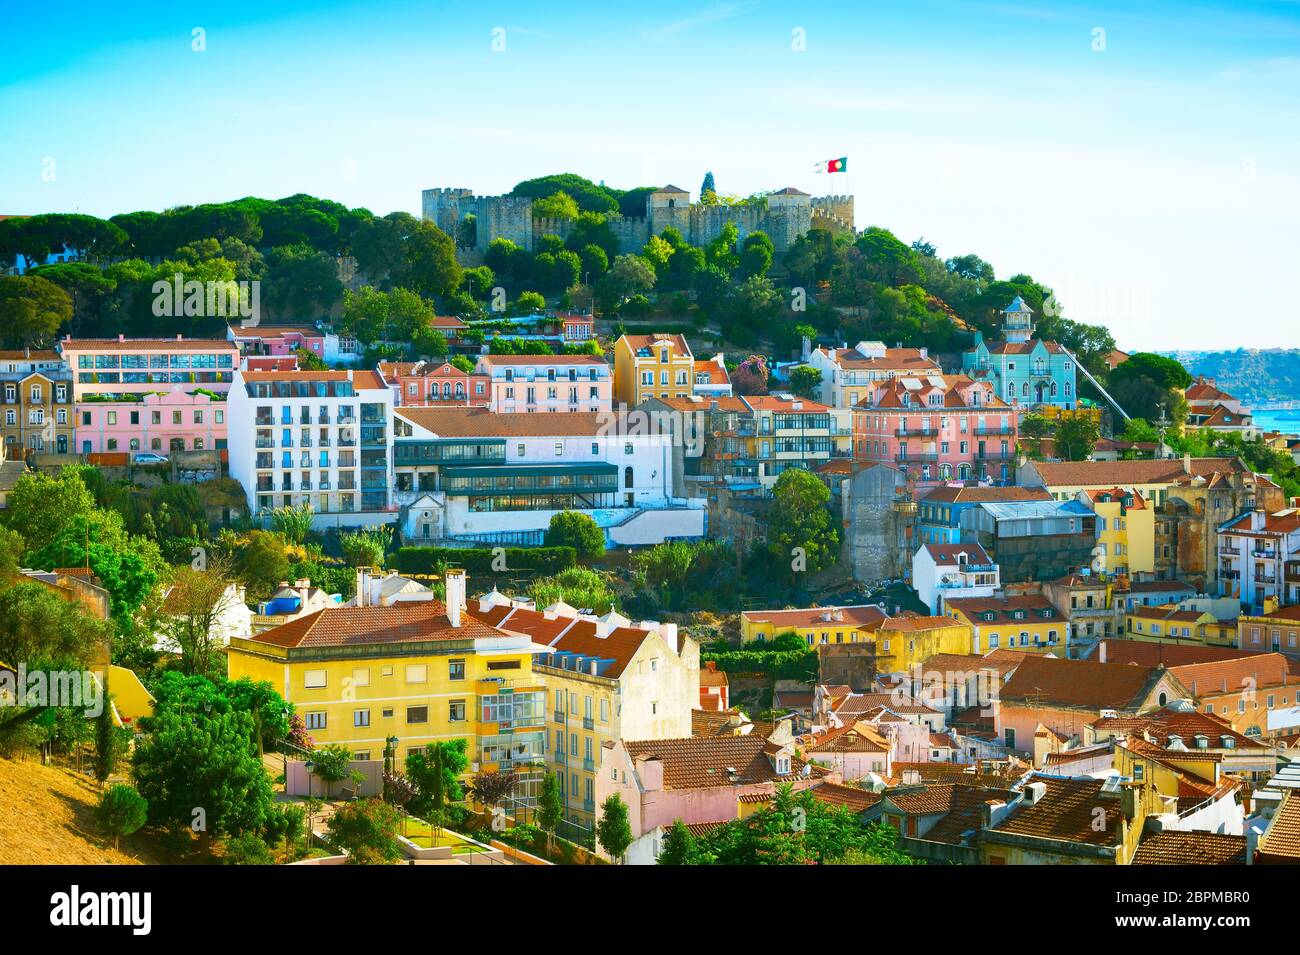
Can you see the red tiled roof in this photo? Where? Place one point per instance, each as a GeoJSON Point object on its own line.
{"type": "Point", "coordinates": [899, 359]}
{"type": "Point", "coordinates": [402, 622]}
{"type": "Point", "coordinates": [949, 553]}
{"type": "Point", "coordinates": [542, 361]}
{"type": "Point", "coordinates": [850, 797]}
{"type": "Point", "coordinates": [360, 379]}
{"type": "Point", "coordinates": [952, 493]}
{"type": "Point", "coordinates": [1068, 811]}
{"type": "Point", "coordinates": [1049, 681]}
{"type": "Point", "coordinates": [704, 762]}
{"type": "Point", "coordinates": [147, 344]}
{"type": "Point", "coordinates": [1282, 838]}
{"type": "Point", "coordinates": [857, 615]}
{"type": "Point", "coordinates": [1172, 847]}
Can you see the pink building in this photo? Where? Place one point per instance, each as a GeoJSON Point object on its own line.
{"type": "Point", "coordinates": [547, 382]}
{"type": "Point", "coordinates": [423, 383]}
{"type": "Point", "coordinates": [156, 394]}
{"type": "Point", "coordinates": [277, 340]}
{"type": "Point", "coordinates": [158, 422]}
{"type": "Point", "coordinates": [936, 428]}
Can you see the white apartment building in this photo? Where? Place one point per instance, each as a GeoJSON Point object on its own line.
{"type": "Point", "coordinates": [846, 372]}
{"type": "Point", "coordinates": [322, 438]}
{"type": "Point", "coordinates": [474, 474]}
{"type": "Point", "coordinates": [1253, 551]}
{"type": "Point", "coordinates": [943, 571]}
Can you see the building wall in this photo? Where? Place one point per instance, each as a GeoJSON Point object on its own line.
{"type": "Point", "coordinates": [176, 421]}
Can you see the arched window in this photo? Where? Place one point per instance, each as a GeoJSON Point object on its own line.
{"type": "Point", "coordinates": [627, 478]}
{"type": "Point", "coordinates": [945, 472]}
{"type": "Point", "coordinates": [1053, 389]}
{"type": "Point", "coordinates": [1024, 389]}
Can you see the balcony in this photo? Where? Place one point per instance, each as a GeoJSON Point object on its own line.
{"type": "Point", "coordinates": [558, 716]}
{"type": "Point", "coordinates": [589, 765]}
{"type": "Point", "coordinates": [918, 456]}
{"type": "Point", "coordinates": [588, 723]}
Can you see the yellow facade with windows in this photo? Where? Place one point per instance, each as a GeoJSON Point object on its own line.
{"type": "Point", "coordinates": [903, 643]}
{"type": "Point", "coordinates": [1126, 530]}
{"type": "Point", "coordinates": [813, 625]}
{"type": "Point", "coordinates": [407, 672]}
{"type": "Point", "coordinates": [652, 366]}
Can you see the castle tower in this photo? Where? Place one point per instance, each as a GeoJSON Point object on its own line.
{"type": "Point", "coordinates": [669, 206]}
{"type": "Point", "coordinates": [1018, 321]}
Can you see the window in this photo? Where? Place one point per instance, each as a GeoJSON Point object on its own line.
{"type": "Point", "coordinates": [360, 717]}
{"type": "Point", "coordinates": [417, 673]}
{"type": "Point", "coordinates": [456, 711]}
{"type": "Point", "coordinates": [361, 676]}
{"type": "Point", "coordinates": [315, 719]}
{"type": "Point", "coordinates": [313, 679]}
{"type": "Point", "coordinates": [456, 670]}
{"type": "Point", "coordinates": [417, 714]}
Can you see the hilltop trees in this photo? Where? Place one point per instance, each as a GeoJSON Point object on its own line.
{"type": "Point", "coordinates": [802, 536]}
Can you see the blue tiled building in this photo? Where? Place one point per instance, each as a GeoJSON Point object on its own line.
{"type": "Point", "coordinates": [1024, 371]}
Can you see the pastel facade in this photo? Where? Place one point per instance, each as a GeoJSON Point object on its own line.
{"type": "Point", "coordinates": [314, 437]}
{"type": "Point", "coordinates": [36, 387]}
{"type": "Point", "coordinates": [419, 671]}
{"type": "Point", "coordinates": [417, 384]}
{"type": "Point", "coordinates": [607, 678]}
{"type": "Point", "coordinates": [113, 380]}
{"type": "Point", "coordinates": [652, 366]}
{"type": "Point", "coordinates": [546, 383]}
{"type": "Point", "coordinates": [814, 625]}
{"type": "Point", "coordinates": [711, 377]}
{"type": "Point", "coordinates": [1126, 534]}
{"type": "Point", "coordinates": [1028, 623]}
{"type": "Point", "coordinates": [846, 372]}
{"type": "Point", "coordinates": [1253, 554]}
{"type": "Point", "coordinates": [1025, 372]}
{"type": "Point", "coordinates": [935, 429]}
{"type": "Point", "coordinates": [791, 432]}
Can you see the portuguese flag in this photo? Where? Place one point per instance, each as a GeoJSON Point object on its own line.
{"type": "Point", "coordinates": [836, 165]}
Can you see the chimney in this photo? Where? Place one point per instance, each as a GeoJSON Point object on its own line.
{"type": "Point", "coordinates": [361, 587]}
{"type": "Point", "coordinates": [1187, 464]}
{"type": "Point", "coordinates": [1035, 792]}
{"type": "Point", "coordinates": [455, 580]}
{"type": "Point", "coordinates": [1252, 843]}
{"type": "Point", "coordinates": [651, 772]}
{"type": "Point", "coordinates": [1101, 652]}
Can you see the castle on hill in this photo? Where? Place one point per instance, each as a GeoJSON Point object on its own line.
{"type": "Point", "coordinates": [783, 215]}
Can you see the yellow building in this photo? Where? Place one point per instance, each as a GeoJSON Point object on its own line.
{"type": "Point", "coordinates": [1026, 622]}
{"type": "Point", "coordinates": [1169, 624]}
{"type": "Point", "coordinates": [1126, 529]}
{"type": "Point", "coordinates": [418, 671]}
{"type": "Point", "coordinates": [606, 680]}
{"type": "Point", "coordinates": [652, 366]}
{"type": "Point", "coordinates": [903, 643]}
{"type": "Point", "coordinates": [36, 396]}
{"type": "Point", "coordinates": [814, 625]}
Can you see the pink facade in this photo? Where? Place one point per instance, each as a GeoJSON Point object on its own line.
{"type": "Point", "coordinates": [149, 394]}
{"type": "Point", "coordinates": [278, 340]}
{"type": "Point", "coordinates": [161, 423]}
{"type": "Point", "coordinates": [547, 382]}
{"type": "Point", "coordinates": [936, 428]}
{"type": "Point", "coordinates": [421, 383]}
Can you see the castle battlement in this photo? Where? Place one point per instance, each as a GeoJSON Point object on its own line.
{"type": "Point", "coordinates": [786, 215]}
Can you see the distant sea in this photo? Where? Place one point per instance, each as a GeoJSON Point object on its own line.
{"type": "Point", "coordinates": [1288, 422]}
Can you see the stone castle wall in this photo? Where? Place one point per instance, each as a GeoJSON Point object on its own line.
{"type": "Point", "coordinates": [783, 218]}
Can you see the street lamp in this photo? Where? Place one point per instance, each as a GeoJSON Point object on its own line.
{"type": "Point", "coordinates": [390, 754]}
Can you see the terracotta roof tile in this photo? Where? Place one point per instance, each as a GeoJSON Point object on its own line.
{"type": "Point", "coordinates": [1190, 848]}
{"type": "Point", "coordinates": [1049, 681]}
{"type": "Point", "coordinates": [402, 622]}
{"type": "Point", "coordinates": [1067, 812]}
{"type": "Point", "coordinates": [704, 762]}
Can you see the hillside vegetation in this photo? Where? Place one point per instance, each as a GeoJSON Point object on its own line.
{"type": "Point", "coordinates": [1253, 375]}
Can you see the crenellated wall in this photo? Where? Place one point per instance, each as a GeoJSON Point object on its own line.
{"type": "Point", "coordinates": [782, 216]}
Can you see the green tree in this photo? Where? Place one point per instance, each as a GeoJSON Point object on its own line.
{"type": "Point", "coordinates": [756, 254]}
{"type": "Point", "coordinates": [679, 846]}
{"type": "Point", "coordinates": [435, 772]}
{"type": "Point", "coordinates": [577, 530]}
{"type": "Point", "coordinates": [806, 381]}
{"type": "Point", "coordinates": [613, 830]}
{"type": "Point", "coordinates": [40, 506]}
{"type": "Point", "coordinates": [248, 848]}
{"type": "Point", "coordinates": [558, 205]}
{"type": "Point", "coordinates": [202, 771]}
{"type": "Point", "coordinates": [293, 521]}
{"type": "Point", "coordinates": [550, 808]}
{"type": "Point", "coordinates": [1075, 437]}
{"type": "Point", "coordinates": [801, 531]}
{"type": "Point", "coordinates": [707, 186]}
{"type": "Point", "coordinates": [331, 763]}
{"type": "Point", "coordinates": [367, 546]}
{"type": "Point", "coordinates": [367, 830]}
{"type": "Point", "coordinates": [31, 310]}
{"type": "Point", "coordinates": [122, 811]}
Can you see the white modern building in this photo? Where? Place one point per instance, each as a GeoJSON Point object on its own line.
{"type": "Point", "coordinates": [944, 571]}
{"type": "Point", "coordinates": [1253, 551]}
{"type": "Point", "coordinates": [476, 475]}
{"type": "Point", "coordinates": [314, 437]}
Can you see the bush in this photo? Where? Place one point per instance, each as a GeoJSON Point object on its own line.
{"type": "Point", "coordinates": [122, 810]}
{"type": "Point", "coordinates": [246, 849]}
{"type": "Point", "coordinates": [479, 560]}
{"type": "Point", "coordinates": [577, 530]}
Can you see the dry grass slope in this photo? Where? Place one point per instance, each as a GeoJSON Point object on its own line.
{"type": "Point", "coordinates": [47, 818]}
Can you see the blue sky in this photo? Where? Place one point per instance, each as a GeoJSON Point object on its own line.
{"type": "Point", "coordinates": [1152, 183]}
